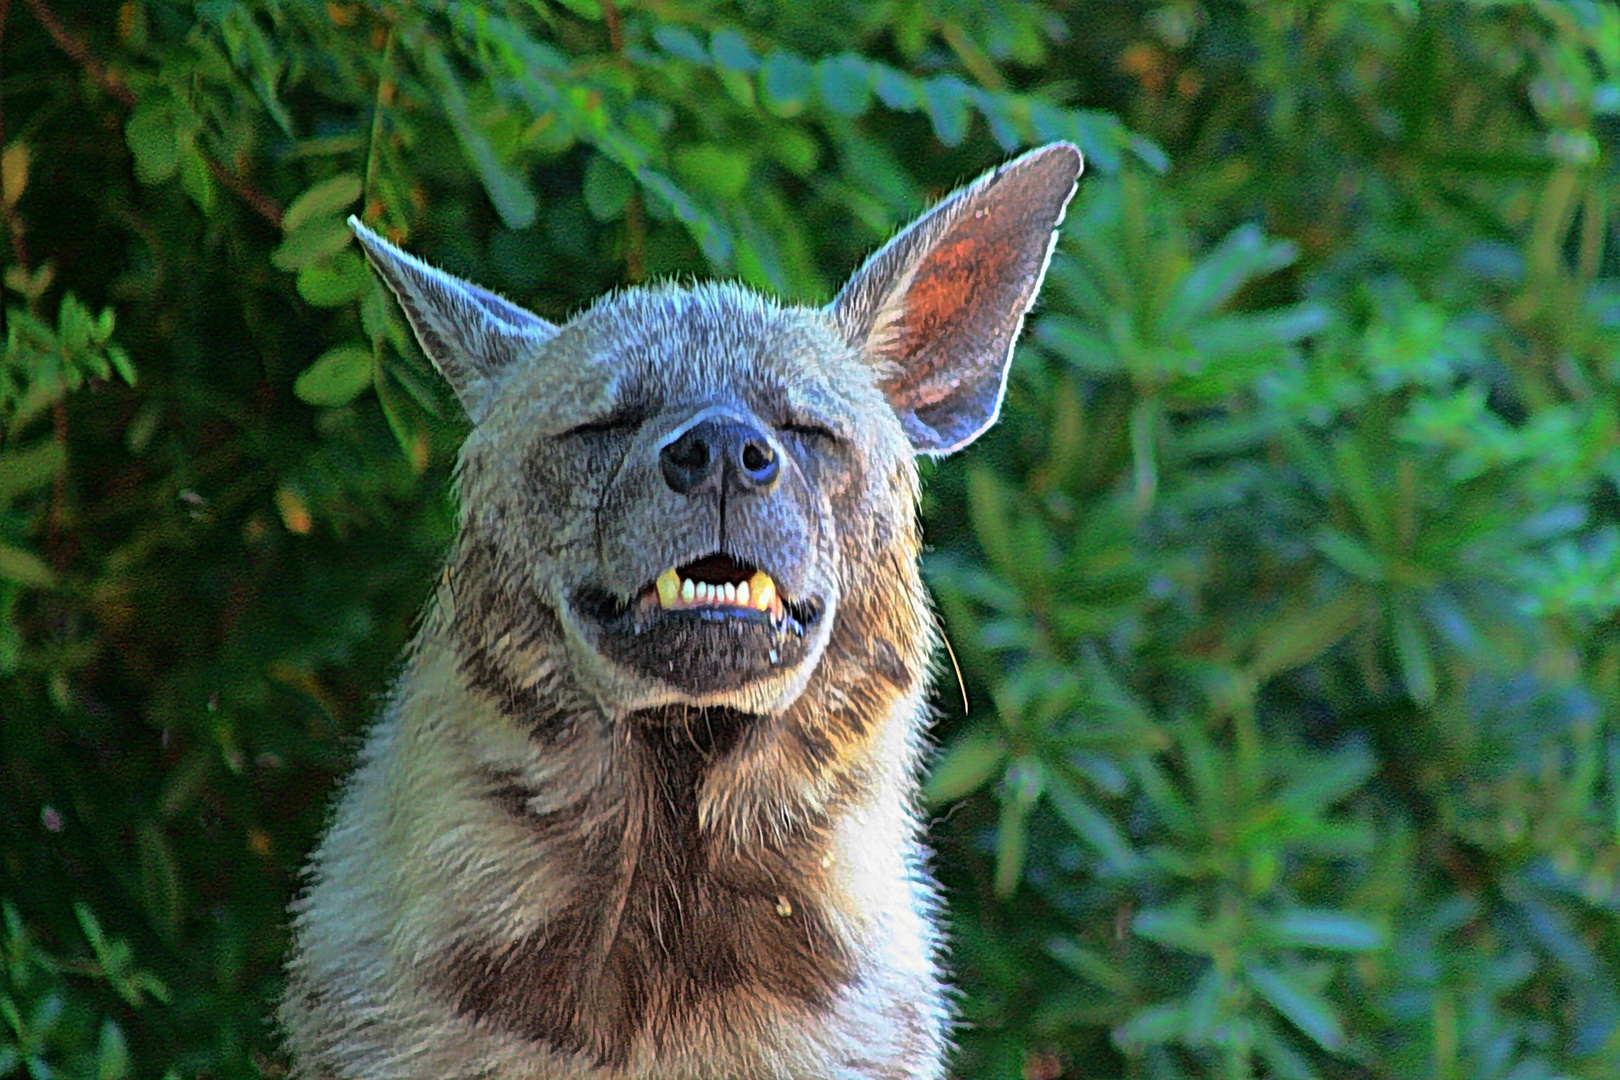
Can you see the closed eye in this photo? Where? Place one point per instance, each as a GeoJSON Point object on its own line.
{"type": "Point", "coordinates": [811, 430]}
{"type": "Point", "coordinates": [618, 420]}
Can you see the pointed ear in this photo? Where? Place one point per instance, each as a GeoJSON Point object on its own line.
{"type": "Point", "coordinates": [469, 333]}
{"type": "Point", "coordinates": [939, 307]}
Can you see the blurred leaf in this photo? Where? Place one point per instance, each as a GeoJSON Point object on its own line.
{"type": "Point", "coordinates": [336, 377]}
{"type": "Point", "coordinates": [1301, 1006]}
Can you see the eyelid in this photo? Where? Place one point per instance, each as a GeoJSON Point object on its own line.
{"type": "Point", "coordinates": [617, 420]}
{"type": "Point", "coordinates": [813, 426]}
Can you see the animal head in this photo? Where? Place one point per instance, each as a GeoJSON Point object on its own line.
{"type": "Point", "coordinates": [690, 484]}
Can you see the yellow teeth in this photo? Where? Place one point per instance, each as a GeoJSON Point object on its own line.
{"type": "Point", "coordinates": [758, 593]}
{"type": "Point", "coordinates": [669, 586]}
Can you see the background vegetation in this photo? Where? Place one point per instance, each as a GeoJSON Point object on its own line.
{"type": "Point", "coordinates": [1286, 596]}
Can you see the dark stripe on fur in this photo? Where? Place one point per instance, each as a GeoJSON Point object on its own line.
{"type": "Point", "coordinates": [667, 931]}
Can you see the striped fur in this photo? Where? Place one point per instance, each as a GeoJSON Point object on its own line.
{"type": "Point", "coordinates": [567, 854]}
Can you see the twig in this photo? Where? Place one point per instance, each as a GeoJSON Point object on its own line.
{"type": "Point", "coordinates": [635, 218]}
{"type": "Point", "coordinates": [109, 80]}
{"type": "Point", "coordinates": [75, 47]}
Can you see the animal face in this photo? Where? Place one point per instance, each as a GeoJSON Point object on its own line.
{"type": "Point", "coordinates": [688, 483]}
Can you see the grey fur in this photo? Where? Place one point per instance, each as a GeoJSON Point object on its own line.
{"type": "Point", "coordinates": [597, 836]}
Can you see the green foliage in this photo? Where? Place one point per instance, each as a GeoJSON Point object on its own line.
{"type": "Point", "coordinates": [1286, 595]}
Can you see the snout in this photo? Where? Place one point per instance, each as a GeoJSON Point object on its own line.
{"type": "Point", "coordinates": [712, 561]}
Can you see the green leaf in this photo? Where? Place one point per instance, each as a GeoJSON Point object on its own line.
{"type": "Point", "coordinates": [25, 568]}
{"type": "Point", "coordinates": [965, 767]}
{"type": "Point", "coordinates": [1316, 928]}
{"type": "Point", "coordinates": [948, 102]}
{"type": "Point", "coordinates": [1349, 554]}
{"type": "Point", "coordinates": [1299, 1005]}
{"type": "Point", "coordinates": [1302, 633]}
{"type": "Point", "coordinates": [1175, 928]}
{"type": "Point", "coordinates": [333, 281]}
{"type": "Point", "coordinates": [1413, 652]}
{"type": "Point", "coordinates": [1086, 963]}
{"type": "Point", "coordinates": [160, 878]}
{"type": "Point", "coordinates": [1153, 1026]}
{"type": "Point", "coordinates": [112, 1052]}
{"type": "Point", "coordinates": [895, 89]}
{"type": "Point", "coordinates": [719, 170]}
{"type": "Point", "coordinates": [607, 188]}
{"type": "Point", "coordinates": [585, 9]}
{"type": "Point", "coordinates": [318, 240]}
{"type": "Point", "coordinates": [1021, 788]}
{"type": "Point", "coordinates": [785, 83]}
{"type": "Point", "coordinates": [680, 42]}
{"type": "Point", "coordinates": [336, 377]}
{"type": "Point", "coordinates": [28, 468]}
{"type": "Point", "coordinates": [844, 82]}
{"type": "Point", "coordinates": [327, 199]}
{"type": "Point", "coordinates": [1245, 253]}
{"type": "Point", "coordinates": [1324, 779]}
{"type": "Point", "coordinates": [1092, 826]}
{"type": "Point", "coordinates": [732, 53]}
{"type": "Point", "coordinates": [150, 133]}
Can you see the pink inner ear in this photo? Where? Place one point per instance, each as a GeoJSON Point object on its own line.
{"type": "Point", "coordinates": [960, 296]}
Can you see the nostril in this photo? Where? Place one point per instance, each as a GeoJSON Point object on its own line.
{"type": "Point", "coordinates": [758, 461]}
{"type": "Point", "coordinates": [689, 454]}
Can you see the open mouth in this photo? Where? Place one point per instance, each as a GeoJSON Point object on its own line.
{"type": "Point", "coordinates": [716, 582]}
{"type": "Point", "coordinates": [711, 624]}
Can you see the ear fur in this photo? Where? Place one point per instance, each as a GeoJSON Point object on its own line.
{"type": "Point", "coordinates": [469, 333]}
{"type": "Point", "coordinates": [939, 307]}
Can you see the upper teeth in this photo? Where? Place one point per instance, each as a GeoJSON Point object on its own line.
{"type": "Point", "coordinates": [758, 592]}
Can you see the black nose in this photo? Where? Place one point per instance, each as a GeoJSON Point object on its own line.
{"type": "Point", "coordinates": [717, 451]}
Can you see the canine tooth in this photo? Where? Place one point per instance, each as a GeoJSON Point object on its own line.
{"type": "Point", "coordinates": [731, 593]}
{"type": "Point", "coordinates": [742, 594]}
{"type": "Point", "coordinates": [688, 590]}
{"type": "Point", "coordinates": [764, 592]}
{"type": "Point", "coordinates": [669, 586]}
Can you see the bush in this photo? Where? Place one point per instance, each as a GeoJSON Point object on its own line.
{"type": "Point", "coordinates": [1285, 598]}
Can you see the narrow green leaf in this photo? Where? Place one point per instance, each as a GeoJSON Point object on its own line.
{"type": "Point", "coordinates": [160, 878]}
{"type": "Point", "coordinates": [1412, 651]}
{"type": "Point", "coordinates": [1091, 825]}
{"type": "Point", "coordinates": [1153, 1026]}
{"type": "Point", "coordinates": [965, 767]}
{"type": "Point", "coordinates": [1243, 254]}
{"type": "Point", "coordinates": [1318, 928]}
{"type": "Point", "coordinates": [1324, 779]}
{"type": "Point", "coordinates": [1086, 963]}
{"type": "Point", "coordinates": [1300, 1005]}
{"type": "Point", "coordinates": [1300, 634]}
{"type": "Point", "coordinates": [336, 377]}
{"type": "Point", "coordinates": [585, 9]}
{"type": "Point", "coordinates": [1175, 928]}
{"type": "Point", "coordinates": [112, 1052]}
{"type": "Point", "coordinates": [1349, 554]}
